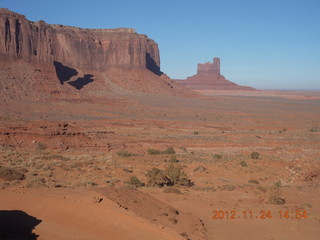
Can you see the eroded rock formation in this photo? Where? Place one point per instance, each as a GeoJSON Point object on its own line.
{"type": "Point", "coordinates": [208, 77]}
{"type": "Point", "coordinates": [209, 67]}
{"type": "Point", "coordinates": [40, 60]}
{"type": "Point", "coordinates": [93, 49]}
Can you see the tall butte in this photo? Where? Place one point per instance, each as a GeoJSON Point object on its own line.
{"type": "Point", "coordinates": [208, 77]}
{"type": "Point", "coordinates": [50, 59]}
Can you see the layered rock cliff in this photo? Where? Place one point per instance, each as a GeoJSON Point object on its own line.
{"type": "Point", "coordinates": [208, 77]}
{"type": "Point", "coordinates": [93, 49]}
{"type": "Point", "coordinates": [55, 62]}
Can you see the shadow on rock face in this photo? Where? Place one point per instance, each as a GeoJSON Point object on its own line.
{"type": "Point", "coordinates": [81, 82]}
{"type": "Point", "coordinates": [17, 225]}
{"type": "Point", "coordinates": [64, 73]}
{"type": "Point", "coordinates": [152, 65]}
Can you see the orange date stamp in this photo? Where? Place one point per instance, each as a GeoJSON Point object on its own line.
{"type": "Point", "coordinates": [259, 215]}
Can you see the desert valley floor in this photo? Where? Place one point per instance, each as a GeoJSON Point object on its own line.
{"type": "Point", "coordinates": [252, 160]}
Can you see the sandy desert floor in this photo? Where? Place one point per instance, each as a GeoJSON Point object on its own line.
{"type": "Point", "coordinates": [252, 161]}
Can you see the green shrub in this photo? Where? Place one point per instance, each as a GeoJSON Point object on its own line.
{"type": "Point", "coordinates": [177, 176]}
{"type": "Point", "coordinates": [51, 157]}
{"type": "Point", "coordinates": [243, 164]}
{"type": "Point", "coordinates": [196, 132]}
{"type": "Point", "coordinates": [277, 184]}
{"type": "Point", "coordinates": [255, 155]}
{"type": "Point", "coordinates": [41, 146]}
{"type": "Point", "coordinates": [124, 153]}
{"type": "Point", "coordinates": [169, 150]}
{"type": "Point", "coordinates": [156, 177]}
{"type": "Point", "coordinates": [134, 181]}
{"type": "Point", "coordinates": [217, 156]}
{"type": "Point", "coordinates": [170, 176]}
{"type": "Point", "coordinates": [152, 151]}
{"type": "Point", "coordinates": [314, 129]}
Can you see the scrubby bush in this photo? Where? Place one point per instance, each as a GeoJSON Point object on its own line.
{"type": "Point", "coordinates": [156, 177]}
{"type": "Point", "coordinates": [314, 129]}
{"type": "Point", "coordinates": [170, 176]}
{"type": "Point", "coordinates": [124, 153]}
{"type": "Point", "coordinates": [243, 164]}
{"type": "Point", "coordinates": [169, 150]}
{"type": "Point", "coordinates": [135, 181]}
{"type": "Point", "coordinates": [255, 155]}
{"type": "Point", "coordinates": [177, 176]}
{"type": "Point", "coordinates": [173, 159]}
{"type": "Point", "coordinates": [41, 146]}
{"type": "Point", "coordinates": [152, 151]}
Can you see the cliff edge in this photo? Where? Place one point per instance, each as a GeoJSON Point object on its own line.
{"type": "Point", "coordinates": [94, 49]}
{"type": "Point", "coordinates": [40, 60]}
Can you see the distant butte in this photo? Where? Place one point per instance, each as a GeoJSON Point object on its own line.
{"type": "Point", "coordinates": [208, 77]}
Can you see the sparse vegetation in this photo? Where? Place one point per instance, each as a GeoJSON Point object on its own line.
{"type": "Point", "coordinates": [35, 181]}
{"type": "Point", "coordinates": [243, 164]}
{"type": "Point", "coordinates": [172, 175]}
{"type": "Point", "coordinates": [275, 194]}
{"type": "Point", "coordinates": [217, 156]}
{"type": "Point", "coordinates": [277, 184]}
{"type": "Point", "coordinates": [84, 182]}
{"type": "Point", "coordinates": [253, 181]}
{"type": "Point", "coordinates": [201, 169]}
{"type": "Point", "coordinates": [52, 157]}
{"type": "Point", "coordinates": [314, 129]}
{"type": "Point", "coordinates": [169, 150]}
{"type": "Point", "coordinates": [10, 174]}
{"type": "Point", "coordinates": [196, 132]}
{"type": "Point", "coordinates": [227, 187]}
{"type": "Point", "coordinates": [177, 176]}
{"type": "Point", "coordinates": [254, 155]}
{"type": "Point", "coordinates": [135, 181]}
{"type": "Point", "coordinates": [156, 177]}
{"type": "Point", "coordinates": [152, 151]}
{"type": "Point", "coordinates": [173, 159]}
{"type": "Point", "coordinates": [41, 146]}
{"type": "Point", "coordinates": [184, 149]}
{"type": "Point", "coordinates": [125, 153]}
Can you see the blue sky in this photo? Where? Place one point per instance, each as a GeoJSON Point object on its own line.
{"type": "Point", "coordinates": [267, 44]}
